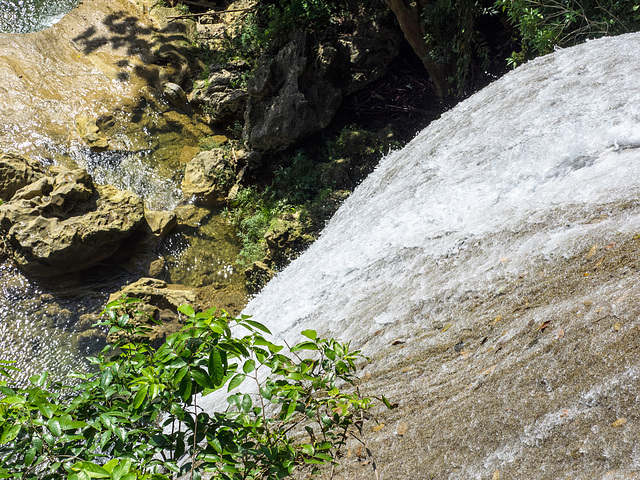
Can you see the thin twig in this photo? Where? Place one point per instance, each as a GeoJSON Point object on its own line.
{"type": "Point", "coordinates": [217, 12]}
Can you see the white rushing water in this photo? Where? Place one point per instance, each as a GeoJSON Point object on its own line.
{"type": "Point", "coordinates": [533, 167]}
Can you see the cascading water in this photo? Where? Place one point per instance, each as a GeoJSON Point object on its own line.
{"type": "Point", "coordinates": [489, 268]}
{"type": "Point", "coordinates": [24, 16]}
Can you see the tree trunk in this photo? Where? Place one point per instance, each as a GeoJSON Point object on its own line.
{"type": "Point", "coordinates": [408, 14]}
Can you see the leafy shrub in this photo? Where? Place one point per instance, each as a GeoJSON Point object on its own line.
{"type": "Point", "coordinates": [138, 415]}
{"type": "Point", "coordinates": [544, 24]}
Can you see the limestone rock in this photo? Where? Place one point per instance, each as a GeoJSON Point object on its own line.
{"type": "Point", "coordinates": [158, 308]}
{"type": "Point", "coordinates": [219, 96]}
{"type": "Point", "coordinates": [90, 133]}
{"type": "Point", "coordinates": [160, 222]}
{"type": "Point", "coordinates": [175, 95]}
{"type": "Point", "coordinates": [208, 177]}
{"type": "Point", "coordinates": [298, 91]}
{"type": "Point", "coordinates": [17, 172]}
{"type": "Point", "coordinates": [63, 223]}
{"type": "Point", "coordinates": [158, 293]}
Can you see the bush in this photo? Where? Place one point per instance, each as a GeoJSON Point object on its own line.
{"type": "Point", "coordinates": [137, 416]}
{"type": "Point", "coordinates": [544, 24]}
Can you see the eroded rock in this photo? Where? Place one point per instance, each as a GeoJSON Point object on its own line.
{"type": "Point", "coordinates": [63, 223]}
{"type": "Point", "coordinates": [17, 172]}
{"type": "Point", "coordinates": [298, 91]}
{"type": "Point", "coordinates": [208, 177]}
{"type": "Point", "coordinates": [158, 309]}
{"type": "Point", "coordinates": [220, 96]}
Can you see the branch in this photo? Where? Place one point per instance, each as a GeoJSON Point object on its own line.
{"type": "Point", "coordinates": [217, 12]}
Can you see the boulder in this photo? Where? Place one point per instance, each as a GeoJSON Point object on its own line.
{"type": "Point", "coordinates": [90, 132]}
{"type": "Point", "coordinates": [62, 223]}
{"type": "Point", "coordinates": [219, 95]}
{"type": "Point", "coordinates": [298, 91]}
{"type": "Point", "coordinates": [208, 177]}
{"type": "Point", "coordinates": [175, 95]}
{"type": "Point", "coordinates": [158, 309]}
{"type": "Point", "coordinates": [17, 172]}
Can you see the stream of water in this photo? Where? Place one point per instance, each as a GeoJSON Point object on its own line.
{"type": "Point", "coordinates": [25, 16]}
{"type": "Point", "coordinates": [42, 322]}
{"type": "Point", "coordinates": [479, 267]}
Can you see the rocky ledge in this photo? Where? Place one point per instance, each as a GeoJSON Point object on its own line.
{"type": "Point", "coordinates": [56, 221]}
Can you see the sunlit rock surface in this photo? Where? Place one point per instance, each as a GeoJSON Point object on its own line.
{"type": "Point", "coordinates": [92, 61]}
{"type": "Point", "coordinates": [490, 269]}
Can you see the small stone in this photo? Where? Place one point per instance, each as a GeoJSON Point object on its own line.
{"type": "Point", "coordinates": [619, 422]}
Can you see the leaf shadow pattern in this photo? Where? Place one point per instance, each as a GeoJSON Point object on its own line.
{"type": "Point", "coordinates": [123, 32]}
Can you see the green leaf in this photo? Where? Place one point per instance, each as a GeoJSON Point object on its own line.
{"type": "Point", "coordinates": [46, 409]}
{"type": "Point", "coordinates": [54, 427]}
{"type": "Point", "coordinates": [37, 444]}
{"type": "Point", "coordinates": [91, 469]}
{"type": "Point", "coordinates": [30, 456]}
{"type": "Point", "coordinates": [236, 381]}
{"type": "Point", "coordinates": [247, 403]}
{"type": "Point", "coordinates": [110, 465]}
{"type": "Point", "coordinates": [185, 388]}
{"type": "Point", "coordinates": [201, 378]}
{"type": "Point", "coordinates": [13, 399]}
{"type": "Point", "coordinates": [249, 366]}
{"type": "Point", "coordinates": [216, 368]}
{"type": "Point", "coordinates": [310, 334]}
{"type": "Point", "coordinates": [187, 310]}
{"type": "Point", "coordinates": [307, 449]}
{"type": "Point", "coordinates": [104, 439]}
{"type": "Point", "coordinates": [257, 325]}
{"type": "Point", "coordinates": [304, 346]}
{"type": "Point", "coordinates": [140, 396]}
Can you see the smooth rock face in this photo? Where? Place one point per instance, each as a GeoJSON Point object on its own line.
{"type": "Point", "coordinates": [16, 172]}
{"type": "Point", "coordinates": [63, 223]}
{"type": "Point", "coordinates": [208, 177]}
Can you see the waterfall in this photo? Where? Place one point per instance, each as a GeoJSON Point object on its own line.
{"type": "Point", "coordinates": [503, 180]}
{"type": "Point", "coordinates": [489, 269]}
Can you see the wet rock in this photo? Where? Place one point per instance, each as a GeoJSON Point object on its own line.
{"type": "Point", "coordinates": [161, 295]}
{"type": "Point", "coordinates": [191, 215]}
{"type": "Point", "coordinates": [17, 172]}
{"type": "Point", "coordinates": [220, 96]}
{"type": "Point", "coordinates": [285, 240]}
{"type": "Point", "coordinates": [90, 132]}
{"type": "Point", "coordinates": [175, 95]}
{"type": "Point", "coordinates": [257, 276]}
{"type": "Point", "coordinates": [222, 297]}
{"type": "Point", "coordinates": [208, 177]}
{"type": "Point", "coordinates": [160, 222]}
{"type": "Point", "coordinates": [63, 223]}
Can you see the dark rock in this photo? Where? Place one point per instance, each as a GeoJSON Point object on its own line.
{"type": "Point", "coordinates": [219, 97]}
{"type": "Point", "coordinates": [297, 92]}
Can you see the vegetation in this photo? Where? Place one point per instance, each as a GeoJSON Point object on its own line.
{"type": "Point", "coordinates": [305, 190]}
{"type": "Point", "coordinates": [138, 416]}
{"type": "Point", "coordinates": [542, 25]}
